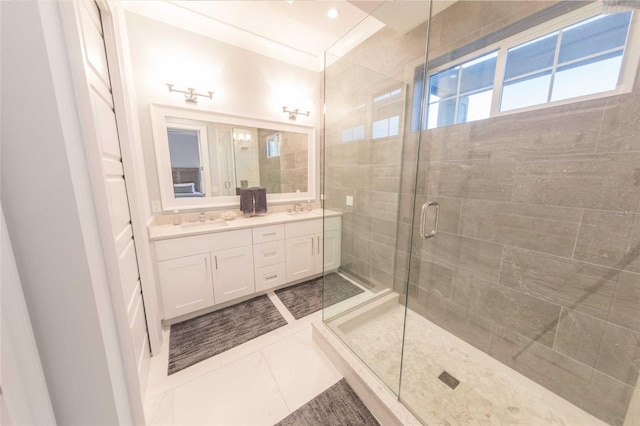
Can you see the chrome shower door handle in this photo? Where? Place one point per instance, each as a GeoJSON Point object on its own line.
{"type": "Point", "coordinates": [423, 219]}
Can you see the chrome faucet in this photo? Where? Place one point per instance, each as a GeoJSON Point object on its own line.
{"type": "Point", "coordinates": [297, 207]}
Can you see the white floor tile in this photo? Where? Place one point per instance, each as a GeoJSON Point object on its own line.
{"type": "Point", "coordinates": [241, 393]}
{"type": "Point", "coordinates": [300, 368]}
{"type": "Point", "coordinates": [254, 345]}
{"type": "Point", "coordinates": [159, 410]}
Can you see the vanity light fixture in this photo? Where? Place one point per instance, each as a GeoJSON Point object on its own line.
{"type": "Point", "coordinates": [293, 114]}
{"type": "Point", "coordinates": [190, 95]}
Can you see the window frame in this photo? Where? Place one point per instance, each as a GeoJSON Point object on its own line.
{"type": "Point", "coordinates": [626, 79]}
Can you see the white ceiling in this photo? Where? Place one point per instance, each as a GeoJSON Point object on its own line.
{"type": "Point", "coordinates": [298, 32]}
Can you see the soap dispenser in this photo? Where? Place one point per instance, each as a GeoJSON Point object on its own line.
{"type": "Point", "coordinates": [176, 217]}
{"type": "Point", "coordinates": [309, 207]}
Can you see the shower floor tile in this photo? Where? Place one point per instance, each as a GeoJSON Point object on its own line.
{"type": "Point", "coordinates": [488, 393]}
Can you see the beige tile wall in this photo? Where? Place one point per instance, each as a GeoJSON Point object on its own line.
{"type": "Point", "coordinates": [537, 257]}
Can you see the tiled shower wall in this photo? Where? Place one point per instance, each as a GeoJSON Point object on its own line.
{"type": "Point", "coordinates": [289, 171]}
{"type": "Point", "coordinates": [537, 257]}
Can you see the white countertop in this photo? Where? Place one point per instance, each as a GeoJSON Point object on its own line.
{"type": "Point", "coordinates": [161, 232]}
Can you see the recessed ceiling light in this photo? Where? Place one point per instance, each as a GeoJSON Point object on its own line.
{"type": "Point", "coordinates": [333, 13]}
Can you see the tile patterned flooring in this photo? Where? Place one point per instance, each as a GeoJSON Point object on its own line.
{"type": "Point", "coordinates": [257, 383]}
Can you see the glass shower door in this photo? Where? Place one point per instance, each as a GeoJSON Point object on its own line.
{"type": "Point", "coordinates": [523, 299]}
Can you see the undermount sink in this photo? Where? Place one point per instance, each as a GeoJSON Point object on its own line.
{"type": "Point", "coordinates": [305, 213]}
{"type": "Point", "coordinates": [209, 225]}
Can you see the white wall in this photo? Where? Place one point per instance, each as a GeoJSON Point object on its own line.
{"type": "Point", "coordinates": [245, 83]}
{"type": "Point", "coordinates": [51, 220]}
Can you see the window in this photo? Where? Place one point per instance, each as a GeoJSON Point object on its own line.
{"type": "Point", "coordinates": [573, 60]}
{"type": "Point", "coordinates": [273, 145]}
{"type": "Point", "coordinates": [462, 93]}
{"type": "Point", "coordinates": [387, 108]}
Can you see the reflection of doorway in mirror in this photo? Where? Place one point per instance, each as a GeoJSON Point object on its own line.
{"type": "Point", "coordinates": [247, 161]}
{"type": "Point", "coordinates": [189, 168]}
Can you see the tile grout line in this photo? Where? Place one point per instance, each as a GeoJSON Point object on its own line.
{"type": "Point", "coordinates": [575, 243]}
{"type": "Point", "coordinates": [273, 376]}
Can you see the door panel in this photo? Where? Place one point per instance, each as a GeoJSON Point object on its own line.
{"type": "Point", "coordinates": [233, 274]}
{"type": "Point", "coordinates": [300, 259]}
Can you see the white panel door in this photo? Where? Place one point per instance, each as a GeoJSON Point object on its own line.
{"type": "Point", "coordinates": [110, 193]}
{"type": "Point", "coordinates": [332, 250]}
{"type": "Point", "coordinates": [232, 273]}
{"type": "Point", "coordinates": [300, 257]}
{"type": "Point", "coordinates": [186, 284]}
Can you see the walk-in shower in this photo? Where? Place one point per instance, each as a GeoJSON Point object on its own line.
{"type": "Point", "coordinates": [486, 158]}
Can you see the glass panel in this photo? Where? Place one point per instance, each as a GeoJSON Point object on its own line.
{"type": "Point", "coordinates": [474, 107]}
{"type": "Point", "coordinates": [599, 34]}
{"type": "Point", "coordinates": [534, 273]}
{"type": "Point", "coordinates": [368, 168]}
{"type": "Point", "coordinates": [444, 84]}
{"type": "Point", "coordinates": [442, 113]}
{"type": "Point", "coordinates": [531, 56]}
{"type": "Point", "coordinates": [593, 75]}
{"type": "Point", "coordinates": [478, 74]}
{"type": "Point", "coordinates": [531, 90]}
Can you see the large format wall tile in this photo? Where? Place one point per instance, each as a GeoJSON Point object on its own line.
{"type": "Point", "coordinates": [575, 285]}
{"type": "Point", "coordinates": [625, 309]}
{"type": "Point", "coordinates": [579, 336]}
{"type": "Point", "coordinates": [473, 328]}
{"type": "Point", "coordinates": [510, 308]}
{"type": "Point", "coordinates": [567, 129]}
{"type": "Point", "coordinates": [480, 179]}
{"type": "Point", "coordinates": [455, 252]}
{"type": "Point", "coordinates": [610, 238]}
{"type": "Point", "coordinates": [599, 181]}
{"type": "Point", "coordinates": [594, 392]}
{"type": "Point", "coordinates": [619, 354]}
{"type": "Point", "coordinates": [546, 229]}
{"type": "Point", "coordinates": [621, 124]}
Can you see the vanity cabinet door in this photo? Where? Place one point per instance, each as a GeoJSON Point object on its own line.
{"type": "Point", "coordinates": [232, 272]}
{"type": "Point", "coordinates": [186, 284]}
{"type": "Point", "coordinates": [332, 250]}
{"type": "Point", "coordinates": [300, 257]}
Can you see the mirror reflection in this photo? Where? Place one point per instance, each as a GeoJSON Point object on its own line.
{"type": "Point", "coordinates": [210, 159]}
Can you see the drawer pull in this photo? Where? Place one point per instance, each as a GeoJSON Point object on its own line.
{"type": "Point", "coordinates": [270, 233]}
{"type": "Point", "coordinates": [271, 277]}
{"type": "Point", "coordinates": [271, 253]}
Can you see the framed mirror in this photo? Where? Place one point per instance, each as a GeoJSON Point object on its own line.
{"type": "Point", "coordinates": [204, 159]}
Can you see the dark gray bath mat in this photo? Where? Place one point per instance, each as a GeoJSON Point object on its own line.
{"type": "Point", "coordinates": [337, 406]}
{"type": "Point", "coordinates": [200, 338]}
{"type": "Point", "coordinates": [306, 298]}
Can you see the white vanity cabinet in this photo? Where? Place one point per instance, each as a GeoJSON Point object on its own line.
{"type": "Point", "coordinates": [306, 248]}
{"type": "Point", "coordinates": [199, 271]}
{"type": "Point", "coordinates": [269, 256]}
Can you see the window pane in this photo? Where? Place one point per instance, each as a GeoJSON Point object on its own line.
{"type": "Point", "coordinates": [479, 73]}
{"type": "Point", "coordinates": [594, 35]}
{"type": "Point", "coordinates": [444, 84]}
{"type": "Point", "coordinates": [593, 75]}
{"type": "Point", "coordinates": [380, 129]}
{"type": "Point", "coordinates": [394, 125]}
{"type": "Point", "coordinates": [358, 132]}
{"type": "Point", "coordinates": [346, 135]}
{"type": "Point", "coordinates": [531, 56]}
{"type": "Point", "coordinates": [441, 113]}
{"type": "Point", "coordinates": [531, 90]}
{"type": "Point", "coordinates": [475, 107]}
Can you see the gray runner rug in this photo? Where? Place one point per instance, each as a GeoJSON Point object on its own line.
{"type": "Point", "coordinates": [197, 339]}
{"type": "Point", "coordinates": [337, 406]}
{"type": "Point", "coordinates": [306, 298]}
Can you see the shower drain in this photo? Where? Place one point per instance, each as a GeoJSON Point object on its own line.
{"type": "Point", "coordinates": [449, 380]}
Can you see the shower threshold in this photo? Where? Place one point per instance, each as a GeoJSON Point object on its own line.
{"type": "Point", "coordinates": [489, 392]}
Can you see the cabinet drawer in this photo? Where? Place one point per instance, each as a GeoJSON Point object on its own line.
{"type": "Point", "coordinates": [266, 254]}
{"type": "Point", "coordinates": [270, 276]}
{"type": "Point", "coordinates": [305, 227]}
{"type": "Point", "coordinates": [197, 244]}
{"type": "Point", "coordinates": [268, 233]}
